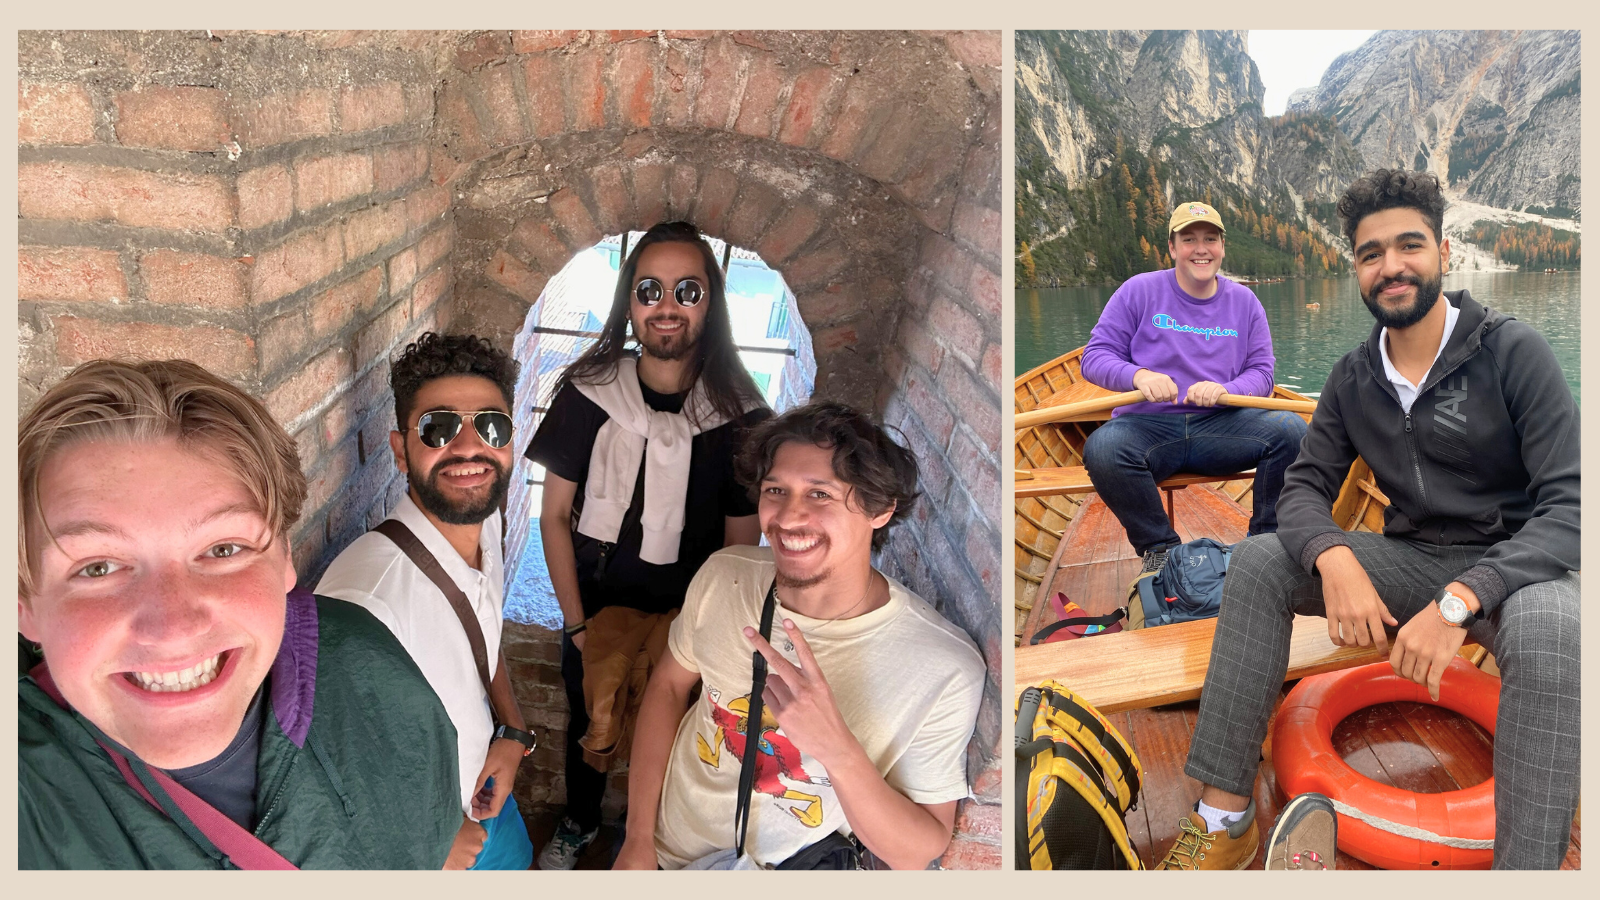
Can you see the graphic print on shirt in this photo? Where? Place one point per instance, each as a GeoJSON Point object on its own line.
{"type": "Point", "coordinates": [1451, 435]}
{"type": "Point", "coordinates": [1168, 323]}
{"type": "Point", "coordinates": [777, 760]}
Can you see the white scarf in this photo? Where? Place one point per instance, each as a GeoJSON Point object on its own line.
{"type": "Point", "coordinates": [664, 440]}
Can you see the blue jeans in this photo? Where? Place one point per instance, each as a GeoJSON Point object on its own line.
{"type": "Point", "coordinates": [506, 844]}
{"type": "Point", "coordinates": [1127, 456]}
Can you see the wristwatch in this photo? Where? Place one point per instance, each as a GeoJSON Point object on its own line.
{"type": "Point", "coordinates": [1454, 610]}
{"type": "Point", "coordinates": [526, 739]}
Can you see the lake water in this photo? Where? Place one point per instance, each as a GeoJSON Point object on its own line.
{"type": "Point", "coordinates": [1307, 342]}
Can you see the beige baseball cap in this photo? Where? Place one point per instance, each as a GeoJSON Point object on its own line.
{"type": "Point", "coordinates": [1185, 214]}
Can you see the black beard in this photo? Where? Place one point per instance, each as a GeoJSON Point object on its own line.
{"type": "Point", "coordinates": [1421, 305]}
{"type": "Point", "coordinates": [433, 500]}
{"type": "Point", "coordinates": [681, 347]}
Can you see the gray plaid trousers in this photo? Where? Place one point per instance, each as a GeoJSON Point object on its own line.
{"type": "Point", "coordinates": [1533, 635]}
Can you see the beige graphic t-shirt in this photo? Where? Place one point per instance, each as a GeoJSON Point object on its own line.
{"type": "Point", "coordinates": [906, 680]}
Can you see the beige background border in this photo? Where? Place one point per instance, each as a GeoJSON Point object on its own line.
{"type": "Point", "coordinates": [975, 14]}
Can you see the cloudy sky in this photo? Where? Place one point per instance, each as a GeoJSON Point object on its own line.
{"type": "Point", "coordinates": [1290, 60]}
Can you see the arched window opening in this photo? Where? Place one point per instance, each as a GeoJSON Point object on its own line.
{"type": "Point", "coordinates": [774, 344]}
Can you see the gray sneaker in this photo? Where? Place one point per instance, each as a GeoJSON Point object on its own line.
{"type": "Point", "coordinates": [1305, 835]}
{"type": "Point", "coordinates": [564, 847]}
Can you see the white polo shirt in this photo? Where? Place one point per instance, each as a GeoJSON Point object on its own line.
{"type": "Point", "coordinates": [1402, 385]}
{"type": "Point", "coordinates": [374, 573]}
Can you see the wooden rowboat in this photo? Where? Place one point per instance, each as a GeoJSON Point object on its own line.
{"type": "Point", "coordinates": [1066, 540]}
{"type": "Point", "coordinates": [1043, 517]}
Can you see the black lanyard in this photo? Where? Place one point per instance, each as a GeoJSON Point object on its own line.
{"type": "Point", "coordinates": [752, 728]}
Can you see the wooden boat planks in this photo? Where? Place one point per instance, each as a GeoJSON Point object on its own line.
{"type": "Point", "coordinates": [1156, 666]}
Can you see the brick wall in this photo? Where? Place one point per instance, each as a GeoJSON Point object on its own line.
{"type": "Point", "coordinates": [943, 391]}
{"type": "Point", "coordinates": [260, 204]}
{"type": "Point", "coordinates": [289, 209]}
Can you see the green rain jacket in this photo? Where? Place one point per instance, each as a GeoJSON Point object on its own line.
{"type": "Point", "coordinates": [357, 767]}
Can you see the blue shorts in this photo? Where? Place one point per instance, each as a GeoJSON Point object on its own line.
{"type": "Point", "coordinates": [507, 845]}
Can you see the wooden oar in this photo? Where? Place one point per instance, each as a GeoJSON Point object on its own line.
{"type": "Point", "coordinates": [1299, 406]}
{"type": "Point", "coordinates": [1081, 408]}
{"type": "Point", "coordinates": [1112, 401]}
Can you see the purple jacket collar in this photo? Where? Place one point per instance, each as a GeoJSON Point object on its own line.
{"type": "Point", "coordinates": [294, 672]}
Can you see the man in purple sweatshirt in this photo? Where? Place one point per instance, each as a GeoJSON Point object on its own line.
{"type": "Point", "coordinates": [1183, 337]}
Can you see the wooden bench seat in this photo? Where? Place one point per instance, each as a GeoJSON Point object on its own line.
{"type": "Point", "coordinates": [1167, 664]}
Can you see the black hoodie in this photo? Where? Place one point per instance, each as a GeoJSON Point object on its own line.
{"type": "Point", "coordinates": [1487, 456]}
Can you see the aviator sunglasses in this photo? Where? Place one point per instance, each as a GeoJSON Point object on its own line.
{"type": "Point", "coordinates": [439, 427]}
{"type": "Point", "coordinates": [650, 291]}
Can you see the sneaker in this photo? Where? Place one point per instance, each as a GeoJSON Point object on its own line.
{"type": "Point", "coordinates": [1305, 835]}
{"type": "Point", "coordinates": [1154, 560]}
{"type": "Point", "coordinates": [1196, 848]}
{"type": "Point", "coordinates": [562, 851]}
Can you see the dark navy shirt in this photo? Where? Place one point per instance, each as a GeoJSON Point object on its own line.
{"type": "Point", "coordinates": [228, 781]}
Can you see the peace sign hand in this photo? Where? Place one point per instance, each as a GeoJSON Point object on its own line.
{"type": "Point", "coordinates": [800, 698]}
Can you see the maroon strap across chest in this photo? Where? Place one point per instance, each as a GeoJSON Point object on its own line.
{"type": "Point", "coordinates": [242, 848]}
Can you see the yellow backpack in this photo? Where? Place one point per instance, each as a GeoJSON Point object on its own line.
{"type": "Point", "coordinates": [1076, 780]}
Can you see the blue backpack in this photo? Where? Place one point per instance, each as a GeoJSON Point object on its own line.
{"type": "Point", "coordinates": [1188, 587]}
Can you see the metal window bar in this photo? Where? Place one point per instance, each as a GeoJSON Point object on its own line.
{"type": "Point", "coordinates": [545, 329]}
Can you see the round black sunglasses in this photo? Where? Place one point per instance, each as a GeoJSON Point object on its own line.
{"type": "Point", "coordinates": [651, 291]}
{"type": "Point", "coordinates": [439, 427]}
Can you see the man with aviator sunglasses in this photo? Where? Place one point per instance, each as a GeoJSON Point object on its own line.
{"type": "Point", "coordinates": [638, 448]}
{"type": "Point", "coordinates": [452, 396]}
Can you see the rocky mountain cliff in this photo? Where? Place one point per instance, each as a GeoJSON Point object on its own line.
{"type": "Point", "coordinates": [1495, 114]}
{"type": "Point", "coordinates": [1113, 128]}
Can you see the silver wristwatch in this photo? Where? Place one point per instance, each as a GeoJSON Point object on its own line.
{"type": "Point", "coordinates": [1454, 610]}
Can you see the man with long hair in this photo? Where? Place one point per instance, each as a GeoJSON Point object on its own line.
{"type": "Point", "coordinates": [638, 448]}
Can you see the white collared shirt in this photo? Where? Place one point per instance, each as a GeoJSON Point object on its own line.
{"type": "Point", "coordinates": [1403, 387]}
{"type": "Point", "coordinates": [374, 573]}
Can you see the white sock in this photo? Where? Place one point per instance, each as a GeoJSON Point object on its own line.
{"type": "Point", "coordinates": [1217, 819]}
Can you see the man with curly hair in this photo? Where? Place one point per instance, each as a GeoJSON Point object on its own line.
{"type": "Point", "coordinates": [433, 572]}
{"type": "Point", "coordinates": [870, 695]}
{"type": "Point", "coordinates": [1467, 422]}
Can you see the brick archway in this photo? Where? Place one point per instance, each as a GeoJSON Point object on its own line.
{"type": "Point", "coordinates": [845, 248]}
{"type": "Point", "coordinates": [817, 151]}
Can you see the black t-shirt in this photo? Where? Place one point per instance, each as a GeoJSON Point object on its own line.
{"type": "Point", "coordinates": [563, 445]}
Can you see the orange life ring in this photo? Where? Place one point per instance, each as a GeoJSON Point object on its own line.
{"type": "Point", "coordinates": [1304, 760]}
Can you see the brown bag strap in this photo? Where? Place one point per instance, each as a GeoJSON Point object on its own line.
{"type": "Point", "coordinates": [412, 546]}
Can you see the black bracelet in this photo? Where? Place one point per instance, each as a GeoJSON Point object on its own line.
{"type": "Point", "coordinates": [571, 630]}
{"type": "Point", "coordinates": [526, 739]}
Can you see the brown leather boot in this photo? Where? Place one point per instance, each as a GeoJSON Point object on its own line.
{"type": "Point", "coordinates": [1232, 848]}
